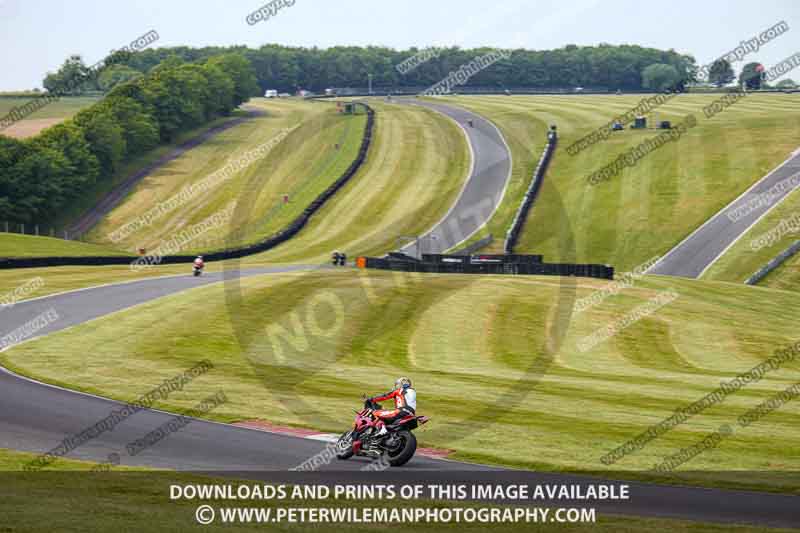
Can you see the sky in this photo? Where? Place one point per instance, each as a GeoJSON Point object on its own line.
{"type": "Point", "coordinates": [36, 36]}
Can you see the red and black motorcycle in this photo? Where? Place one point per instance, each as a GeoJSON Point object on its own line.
{"type": "Point", "coordinates": [397, 445]}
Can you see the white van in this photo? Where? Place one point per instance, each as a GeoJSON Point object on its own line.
{"type": "Point", "coordinates": [271, 93]}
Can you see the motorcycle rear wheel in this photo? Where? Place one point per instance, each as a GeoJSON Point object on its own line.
{"type": "Point", "coordinates": [405, 451]}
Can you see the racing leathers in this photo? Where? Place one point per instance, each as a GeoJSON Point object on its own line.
{"type": "Point", "coordinates": [405, 403]}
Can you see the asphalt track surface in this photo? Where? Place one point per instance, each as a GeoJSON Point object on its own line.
{"type": "Point", "coordinates": [695, 254]}
{"type": "Point", "coordinates": [36, 417]}
{"type": "Point", "coordinates": [482, 192]}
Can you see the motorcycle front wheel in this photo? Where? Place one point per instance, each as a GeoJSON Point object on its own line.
{"type": "Point", "coordinates": [344, 446]}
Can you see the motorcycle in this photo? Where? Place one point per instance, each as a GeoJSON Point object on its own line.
{"type": "Point", "coordinates": [197, 270]}
{"type": "Point", "coordinates": [397, 445]}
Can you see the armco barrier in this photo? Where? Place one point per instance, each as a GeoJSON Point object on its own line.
{"type": "Point", "coordinates": [521, 265]}
{"type": "Point", "coordinates": [533, 190]}
{"type": "Point", "coordinates": [281, 236]}
{"type": "Point", "coordinates": [481, 258]}
{"type": "Point", "coordinates": [774, 263]}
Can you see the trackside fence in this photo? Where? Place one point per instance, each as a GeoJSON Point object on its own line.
{"type": "Point", "coordinates": [774, 263]}
{"type": "Point", "coordinates": [512, 236]}
{"type": "Point", "coordinates": [233, 253]}
{"type": "Point", "coordinates": [485, 264]}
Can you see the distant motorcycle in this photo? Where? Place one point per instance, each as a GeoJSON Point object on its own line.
{"type": "Point", "coordinates": [398, 444]}
{"type": "Point", "coordinates": [198, 266]}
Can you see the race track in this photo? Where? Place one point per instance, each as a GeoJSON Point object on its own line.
{"type": "Point", "coordinates": [483, 190]}
{"type": "Point", "coordinates": [695, 254]}
{"type": "Point", "coordinates": [36, 417]}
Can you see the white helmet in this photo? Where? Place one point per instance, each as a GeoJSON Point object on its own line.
{"type": "Point", "coordinates": [403, 382]}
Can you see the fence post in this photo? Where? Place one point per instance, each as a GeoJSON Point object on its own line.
{"type": "Point", "coordinates": [22, 226]}
{"type": "Point", "coordinates": [65, 235]}
{"type": "Point", "coordinates": [6, 226]}
{"type": "Point", "coordinates": [37, 229]}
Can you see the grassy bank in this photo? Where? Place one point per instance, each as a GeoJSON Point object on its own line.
{"type": "Point", "coordinates": [413, 174]}
{"type": "Point", "coordinates": [484, 356]}
{"type": "Point", "coordinates": [321, 145]}
{"type": "Point", "coordinates": [649, 207]}
{"type": "Point", "coordinates": [14, 245]}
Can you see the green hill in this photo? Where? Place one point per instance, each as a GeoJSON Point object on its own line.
{"type": "Point", "coordinates": [14, 245]}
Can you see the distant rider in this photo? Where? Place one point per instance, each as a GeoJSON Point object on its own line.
{"type": "Point", "coordinates": [405, 403]}
{"type": "Point", "coordinates": [198, 263]}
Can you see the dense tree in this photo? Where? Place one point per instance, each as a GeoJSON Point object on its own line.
{"type": "Point", "coordinates": [721, 73]}
{"type": "Point", "coordinates": [752, 76]}
{"type": "Point", "coordinates": [113, 75]}
{"type": "Point", "coordinates": [660, 77]}
{"type": "Point", "coordinates": [74, 77]}
{"type": "Point", "coordinates": [139, 127]}
{"type": "Point", "coordinates": [12, 151]}
{"type": "Point", "coordinates": [177, 93]}
{"type": "Point", "coordinates": [241, 72]}
{"type": "Point", "coordinates": [82, 167]}
{"type": "Point", "coordinates": [42, 175]}
{"type": "Point", "coordinates": [104, 135]}
{"type": "Point", "coordinates": [221, 91]}
{"type": "Point", "coordinates": [788, 83]}
{"type": "Point", "coordinates": [290, 68]}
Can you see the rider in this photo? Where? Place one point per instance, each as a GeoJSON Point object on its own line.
{"type": "Point", "coordinates": [405, 403]}
{"type": "Point", "coordinates": [198, 263]}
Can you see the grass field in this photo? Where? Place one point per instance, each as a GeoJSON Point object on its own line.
{"type": "Point", "coordinates": [99, 502]}
{"type": "Point", "coordinates": [650, 207]}
{"type": "Point", "coordinates": [94, 195]}
{"type": "Point", "coordinates": [15, 245]}
{"type": "Point", "coordinates": [476, 347]}
{"type": "Point", "coordinates": [300, 166]}
{"type": "Point", "coordinates": [413, 174]}
{"type": "Point", "coordinates": [47, 116]}
{"type": "Point", "coordinates": [418, 163]}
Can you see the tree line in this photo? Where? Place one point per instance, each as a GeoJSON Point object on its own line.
{"type": "Point", "coordinates": [288, 69]}
{"type": "Point", "coordinates": [41, 175]}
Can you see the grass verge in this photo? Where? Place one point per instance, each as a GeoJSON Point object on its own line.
{"type": "Point", "coordinates": [14, 245]}
{"type": "Point", "coordinates": [650, 207]}
{"type": "Point", "coordinates": [475, 347]}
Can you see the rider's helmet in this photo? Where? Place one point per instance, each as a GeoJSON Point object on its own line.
{"type": "Point", "coordinates": [402, 383]}
{"type": "Point", "coordinates": [200, 257]}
